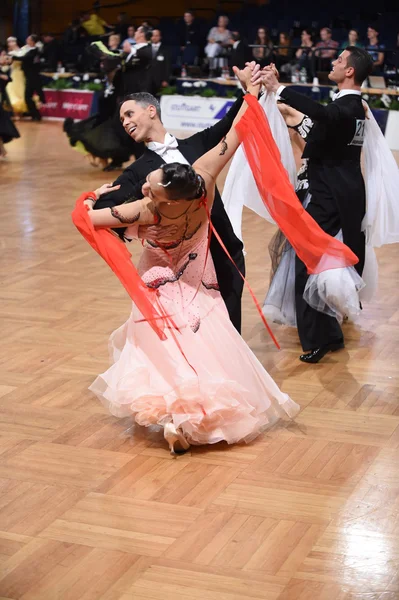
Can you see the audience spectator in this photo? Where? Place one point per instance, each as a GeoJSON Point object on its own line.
{"type": "Point", "coordinates": [375, 49]}
{"type": "Point", "coordinates": [73, 33]}
{"type": "Point", "coordinates": [190, 38]}
{"type": "Point", "coordinates": [283, 54]}
{"type": "Point", "coordinates": [51, 52]}
{"type": "Point", "coordinates": [161, 64]}
{"type": "Point", "coordinates": [394, 57]}
{"type": "Point", "coordinates": [326, 50]}
{"type": "Point", "coordinates": [307, 45]}
{"type": "Point", "coordinates": [94, 24]}
{"type": "Point", "coordinates": [114, 42]}
{"type": "Point", "coordinates": [121, 25]}
{"type": "Point", "coordinates": [263, 55]}
{"type": "Point", "coordinates": [223, 47]}
{"type": "Point", "coordinates": [75, 41]}
{"type": "Point", "coordinates": [353, 40]}
{"type": "Point", "coordinates": [218, 42]}
{"type": "Point", "coordinates": [130, 35]}
{"type": "Point", "coordinates": [304, 54]}
{"type": "Point", "coordinates": [240, 53]}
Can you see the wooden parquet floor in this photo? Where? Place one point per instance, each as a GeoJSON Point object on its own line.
{"type": "Point", "coordinates": [309, 511]}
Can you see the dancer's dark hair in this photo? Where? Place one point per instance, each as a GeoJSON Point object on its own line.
{"type": "Point", "coordinates": [181, 182]}
{"type": "Point", "coordinates": [143, 99]}
{"type": "Point", "coordinates": [361, 62]}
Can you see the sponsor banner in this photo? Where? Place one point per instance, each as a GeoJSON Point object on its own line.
{"type": "Point", "coordinates": [61, 104]}
{"type": "Point", "coordinates": [193, 113]}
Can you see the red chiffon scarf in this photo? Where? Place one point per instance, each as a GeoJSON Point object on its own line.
{"type": "Point", "coordinates": [318, 250]}
{"type": "Point", "coordinates": [118, 258]}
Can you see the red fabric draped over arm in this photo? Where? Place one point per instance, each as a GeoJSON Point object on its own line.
{"type": "Point", "coordinates": [318, 250]}
{"type": "Point", "coordinates": [118, 258]}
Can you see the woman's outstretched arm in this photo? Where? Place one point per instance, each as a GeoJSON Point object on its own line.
{"type": "Point", "coordinates": [119, 216]}
{"type": "Point", "coordinates": [215, 160]}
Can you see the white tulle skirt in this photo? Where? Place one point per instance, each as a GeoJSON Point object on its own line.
{"type": "Point", "coordinates": [335, 292]}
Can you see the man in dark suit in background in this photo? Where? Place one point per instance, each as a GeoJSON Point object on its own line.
{"type": "Point", "coordinates": [51, 53]}
{"type": "Point", "coordinates": [143, 117]}
{"type": "Point", "coordinates": [190, 38]}
{"type": "Point", "coordinates": [138, 62]}
{"type": "Point", "coordinates": [161, 65]}
{"type": "Point", "coordinates": [31, 69]}
{"type": "Point", "coordinates": [239, 53]}
{"type": "Point", "coordinates": [338, 198]}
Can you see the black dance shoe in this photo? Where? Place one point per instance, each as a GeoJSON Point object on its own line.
{"type": "Point", "coordinates": [317, 354]}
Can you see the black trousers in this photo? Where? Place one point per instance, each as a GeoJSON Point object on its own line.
{"type": "Point", "coordinates": [338, 202]}
{"type": "Point", "coordinates": [316, 329]}
{"type": "Point", "coordinates": [33, 85]}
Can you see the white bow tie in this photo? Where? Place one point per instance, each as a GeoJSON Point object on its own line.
{"type": "Point", "coordinates": [170, 143]}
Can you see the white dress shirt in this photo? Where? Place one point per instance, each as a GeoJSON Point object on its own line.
{"type": "Point", "coordinates": [155, 48]}
{"type": "Point", "coordinates": [133, 51]}
{"type": "Point", "coordinates": [169, 150]}
{"type": "Point", "coordinates": [346, 93]}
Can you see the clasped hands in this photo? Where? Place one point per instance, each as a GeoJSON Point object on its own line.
{"type": "Point", "coordinates": [252, 76]}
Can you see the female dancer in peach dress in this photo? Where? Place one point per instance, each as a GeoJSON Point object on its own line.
{"type": "Point", "coordinates": [197, 378]}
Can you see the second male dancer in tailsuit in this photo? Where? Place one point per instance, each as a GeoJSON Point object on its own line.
{"type": "Point", "coordinates": [31, 69]}
{"type": "Point", "coordinates": [338, 199]}
{"type": "Point", "coordinates": [136, 70]}
{"type": "Point", "coordinates": [142, 112]}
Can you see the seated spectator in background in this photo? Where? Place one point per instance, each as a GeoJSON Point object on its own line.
{"type": "Point", "coordinates": [121, 25]}
{"type": "Point", "coordinates": [304, 54]}
{"type": "Point", "coordinates": [283, 53]}
{"type": "Point", "coordinates": [130, 35]}
{"type": "Point", "coordinates": [263, 55]}
{"type": "Point", "coordinates": [161, 64]}
{"type": "Point", "coordinates": [240, 53]}
{"type": "Point", "coordinates": [307, 46]}
{"type": "Point", "coordinates": [326, 50]}
{"type": "Point", "coordinates": [51, 52]}
{"type": "Point", "coordinates": [375, 49]}
{"type": "Point", "coordinates": [218, 43]}
{"type": "Point", "coordinates": [190, 38]}
{"type": "Point", "coordinates": [94, 24]}
{"type": "Point", "coordinates": [114, 42]}
{"type": "Point", "coordinates": [353, 40]}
